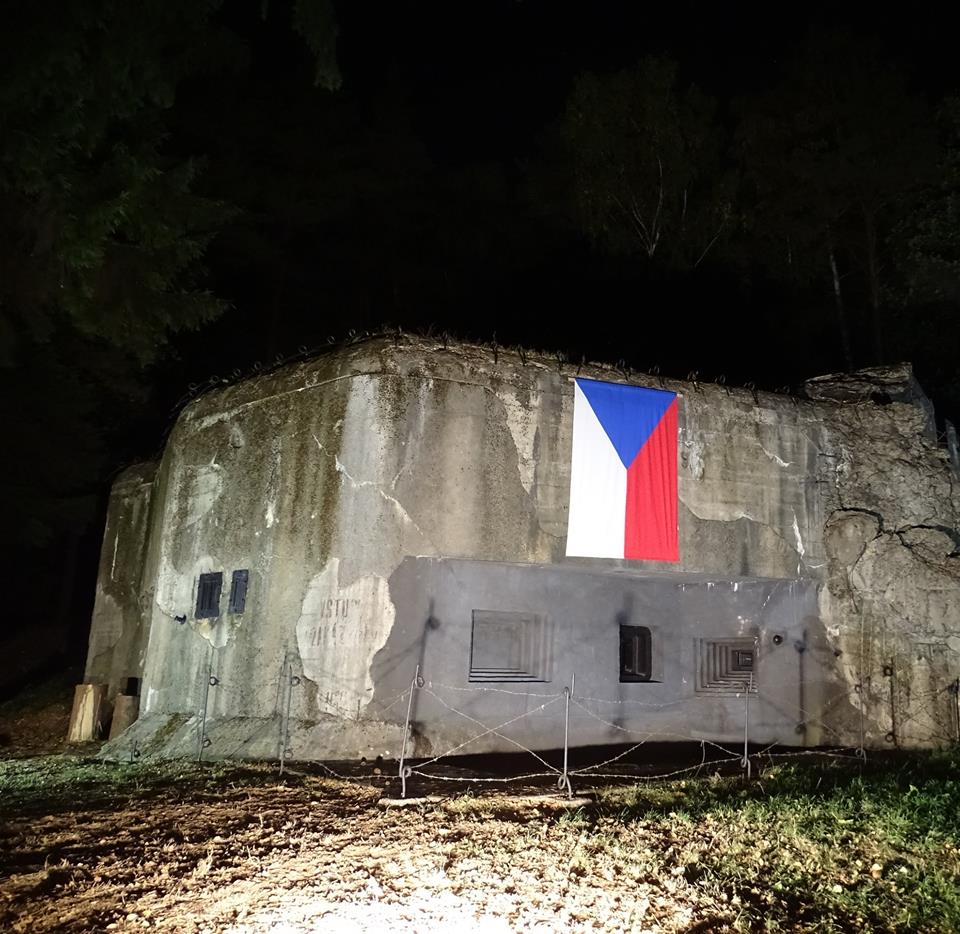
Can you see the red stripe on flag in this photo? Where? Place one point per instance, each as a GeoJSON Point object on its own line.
{"type": "Point", "coordinates": [651, 520]}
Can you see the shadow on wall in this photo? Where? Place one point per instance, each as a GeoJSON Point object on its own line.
{"type": "Point", "coordinates": [410, 656]}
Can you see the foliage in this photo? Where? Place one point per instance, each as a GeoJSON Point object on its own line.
{"type": "Point", "coordinates": [830, 173]}
{"type": "Point", "coordinates": [316, 22]}
{"type": "Point", "coordinates": [647, 165]}
{"type": "Point", "coordinates": [66, 411]}
{"type": "Point", "coordinates": [102, 232]}
{"type": "Point", "coordinates": [929, 234]}
{"type": "Point", "coordinates": [105, 232]}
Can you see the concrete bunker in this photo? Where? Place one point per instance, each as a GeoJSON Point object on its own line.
{"type": "Point", "coordinates": [313, 535]}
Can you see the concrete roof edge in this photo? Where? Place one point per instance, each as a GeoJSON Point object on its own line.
{"type": "Point", "coordinates": [379, 349]}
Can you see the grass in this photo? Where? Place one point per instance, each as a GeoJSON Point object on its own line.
{"type": "Point", "coordinates": [814, 847]}
{"type": "Point", "coordinates": [47, 784]}
{"type": "Point", "coordinates": [826, 845]}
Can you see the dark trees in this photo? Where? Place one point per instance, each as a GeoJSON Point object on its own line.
{"type": "Point", "coordinates": [647, 164]}
{"type": "Point", "coordinates": [102, 243]}
{"type": "Point", "coordinates": [103, 233]}
{"type": "Point", "coordinates": [835, 155]}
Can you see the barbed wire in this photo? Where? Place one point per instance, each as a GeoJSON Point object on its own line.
{"type": "Point", "coordinates": [495, 731]}
{"type": "Point", "coordinates": [486, 689]}
{"type": "Point", "coordinates": [384, 707]}
{"type": "Point", "coordinates": [660, 776]}
{"type": "Point", "coordinates": [847, 753]}
{"type": "Point", "coordinates": [290, 677]}
{"type": "Point", "coordinates": [649, 735]}
{"type": "Point", "coordinates": [485, 779]}
{"type": "Point", "coordinates": [632, 703]}
{"type": "Point", "coordinates": [584, 769]}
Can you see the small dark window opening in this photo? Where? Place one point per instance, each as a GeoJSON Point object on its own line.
{"type": "Point", "coordinates": [131, 687]}
{"type": "Point", "coordinates": [635, 653]}
{"type": "Point", "coordinates": [208, 595]}
{"type": "Point", "coordinates": [238, 591]}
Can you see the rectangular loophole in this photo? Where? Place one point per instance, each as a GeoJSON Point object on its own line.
{"type": "Point", "coordinates": [238, 591]}
{"type": "Point", "coordinates": [508, 646]}
{"type": "Point", "coordinates": [636, 653]}
{"type": "Point", "coordinates": [208, 595]}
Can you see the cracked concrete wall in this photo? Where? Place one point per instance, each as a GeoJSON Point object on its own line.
{"type": "Point", "coordinates": [322, 477]}
{"type": "Point", "coordinates": [892, 579]}
{"type": "Point", "coordinates": [118, 637]}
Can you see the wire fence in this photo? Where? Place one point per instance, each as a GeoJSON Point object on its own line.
{"type": "Point", "coordinates": [571, 722]}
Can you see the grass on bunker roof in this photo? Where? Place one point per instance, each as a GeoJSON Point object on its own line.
{"type": "Point", "coordinates": [806, 845]}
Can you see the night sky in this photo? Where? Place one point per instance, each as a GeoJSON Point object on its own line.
{"type": "Point", "coordinates": [446, 179]}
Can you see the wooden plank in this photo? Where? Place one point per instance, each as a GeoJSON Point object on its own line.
{"type": "Point", "coordinates": [126, 708]}
{"type": "Point", "coordinates": [87, 716]}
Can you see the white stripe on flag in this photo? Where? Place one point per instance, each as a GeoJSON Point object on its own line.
{"type": "Point", "coordinates": [598, 488]}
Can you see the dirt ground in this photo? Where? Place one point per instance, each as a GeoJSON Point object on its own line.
{"type": "Point", "coordinates": [92, 846]}
{"type": "Point", "coordinates": [820, 844]}
{"type": "Point", "coordinates": [318, 854]}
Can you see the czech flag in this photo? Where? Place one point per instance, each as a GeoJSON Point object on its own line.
{"type": "Point", "coordinates": [623, 473]}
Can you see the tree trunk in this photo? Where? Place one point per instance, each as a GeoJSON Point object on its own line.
{"type": "Point", "coordinates": [838, 303]}
{"type": "Point", "coordinates": [67, 585]}
{"type": "Point", "coordinates": [873, 283]}
{"type": "Point", "coordinates": [272, 342]}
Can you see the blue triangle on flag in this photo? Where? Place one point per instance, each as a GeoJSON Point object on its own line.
{"type": "Point", "coordinates": [628, 414]}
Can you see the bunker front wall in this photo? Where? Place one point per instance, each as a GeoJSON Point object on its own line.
{"type": "Point", "coordinates": [343, 486]}
{"type": "Point", "coordinates": [698, 632]}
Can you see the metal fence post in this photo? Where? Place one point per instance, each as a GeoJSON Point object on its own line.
{"type": "Point", "coordinates": [212, 681]}
{"type": "Point", "coordinates": [890, 672]}
{"type": "Point", "coordinates": [862, 696]}
{"type": "Point", "coordinates": [564, 780]}
{"type": "Point", "coordinates": [278, 712]}
{"type": "Point", "coordinates": [861, 688]}
{"type": "Point", "coordinates": [292, 681]}
{"type": "Point", "coordinates": [745, 761]}
{"type": "Point", "coordinates": [954, 689]}
{"type": "Point", "coordinates": [404, 770]}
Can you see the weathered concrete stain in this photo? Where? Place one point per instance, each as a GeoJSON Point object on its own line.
{"type": "Point", "coordinates": [339, 630]}
{"type": "Point", "coordinates": [203, 488]}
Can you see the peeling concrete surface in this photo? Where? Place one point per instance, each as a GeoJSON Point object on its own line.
{"type": "Point", "coordinates": [337, 637]}
{"type": "Point", "coordinates": [321, 479]}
